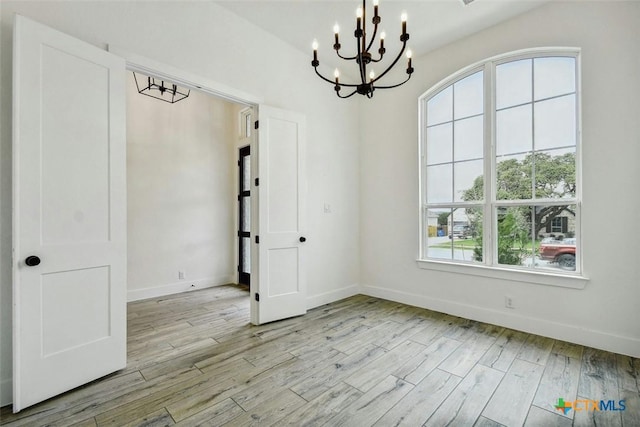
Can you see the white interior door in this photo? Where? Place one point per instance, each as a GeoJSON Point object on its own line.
{"type": "Point", "coordinates": [279, 288]}
{"type": "Point", "coordinates": [69, 318]}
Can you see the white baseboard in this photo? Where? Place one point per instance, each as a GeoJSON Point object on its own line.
{"type": "Point", "coordinates": [6, 392]}
{"type": "Point", "coordinates": [332, 296]}
{"type": "Point", "coordinates": [177, 287]}
{"type": "Point", "coordinates": [578, 335]}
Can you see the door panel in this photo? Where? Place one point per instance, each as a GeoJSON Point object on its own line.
{"type": "Point", "coordinates": [75, 195]}
{"type": "Point", "coordinates": [282, 178]}
{"type": "Point", "coordinates": [283, 281]}
{"type": "Point", "coordinates": [281, 227]}
{"type": "Point", "coordinates": [69, 210]}
{"type": "Point", "coordinates": [79, 294]}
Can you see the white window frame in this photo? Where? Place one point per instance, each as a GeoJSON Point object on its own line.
{"type": "Point", "coordinates": [245, 122]}
{"type": "Point", "coordinates": [489, 266]}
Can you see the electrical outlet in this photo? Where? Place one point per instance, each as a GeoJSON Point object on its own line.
{"type": "Point", "coordinates": [181, 275]}
{"type": "Point", "coordinates": [508, 302]}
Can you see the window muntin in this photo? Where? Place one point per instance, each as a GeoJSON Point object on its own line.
{"type": "Point", "coordinates": [530, 152]}
{"type": "Point", "coordinates": [454, 130]}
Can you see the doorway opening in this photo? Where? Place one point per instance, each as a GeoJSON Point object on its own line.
{"type": "Point", "coordinates": [181, 189]}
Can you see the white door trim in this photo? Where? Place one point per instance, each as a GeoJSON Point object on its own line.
{"type": "Point", "coordinates": [184, 78]}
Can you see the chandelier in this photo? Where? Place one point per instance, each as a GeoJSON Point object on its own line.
{"type": "Point", "coordinates": [159, 89]}
{"type": "Point", "coordinates": [364, 57]}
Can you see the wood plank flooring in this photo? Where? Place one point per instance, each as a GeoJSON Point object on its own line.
{"type": "Point", "coordinates": [194, 360]}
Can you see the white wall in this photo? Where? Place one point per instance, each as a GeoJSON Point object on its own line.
{"type": "Point", "coordinates": [603, 315]}
{"type": "Point", "coordinates": [180, 193]}
{"type": "Point", "coordinates": [207, 40]}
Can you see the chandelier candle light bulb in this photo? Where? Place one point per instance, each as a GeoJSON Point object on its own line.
{"type": "Point", "coordinates": [315, 61]}
{"type": "Point", "coordinates": [403, 18]}
{"type": "Point", "coordinates": [363, 56]}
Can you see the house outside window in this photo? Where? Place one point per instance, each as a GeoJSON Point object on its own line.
{"type": "Point", "coordinates": [558, 224]}
{"type": "Point", "coordinates": [500, 164]}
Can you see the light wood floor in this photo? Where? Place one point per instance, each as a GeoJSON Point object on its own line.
{"type": "Point", "coordinates": [194, 360]}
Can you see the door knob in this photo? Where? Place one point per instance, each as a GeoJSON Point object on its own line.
{"type": "Point", "coordinates": [303, 239]}
{"type": "Point", "coordinates": [32, 261]}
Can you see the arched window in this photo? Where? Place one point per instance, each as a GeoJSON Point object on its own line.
{"type": "Point", "coordinates": [500, 164]}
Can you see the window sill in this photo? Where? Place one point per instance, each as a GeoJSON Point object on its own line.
{"type": "Point", "coordinates": [527, 276]}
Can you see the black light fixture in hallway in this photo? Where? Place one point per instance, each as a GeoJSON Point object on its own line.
{"type": "Point", "coordinates": [160, 89]}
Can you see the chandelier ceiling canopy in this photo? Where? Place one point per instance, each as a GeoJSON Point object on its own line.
{"type": "Point", "coordinates": [364, 57]}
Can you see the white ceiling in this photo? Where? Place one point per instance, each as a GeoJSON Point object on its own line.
{"type": "Point", "coordinates": [431, 23]}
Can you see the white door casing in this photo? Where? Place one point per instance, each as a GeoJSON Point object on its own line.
{"type": "Point", "coordinates": [69, 209]}
{"type": "Point", "coordinates": [280, 210]}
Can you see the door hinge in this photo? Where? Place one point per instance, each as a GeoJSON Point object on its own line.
{"type": "Point", "coordinates": [238, 197]}
{"type": "Point", "coordinates": [256, 125]}
{"type": "Point", "coordinates": [238, 268]}
{"type": "Point", "coordinates": [257, 239]}
{"type": "Point", "coordinates": [257, 181]}
{"type": "Point", "coordinates": [257, 296]}
{"type": "Point", "coordinates": [238, 162]}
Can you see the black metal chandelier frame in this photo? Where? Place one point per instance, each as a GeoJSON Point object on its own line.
{"type": "Point", "coordinates": [364, 56]}
{"type": "Point", "coordinates": [159, 89]}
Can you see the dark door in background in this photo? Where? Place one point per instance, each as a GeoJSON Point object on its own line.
{"type": "Point", "coordinates": [244, 220]}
